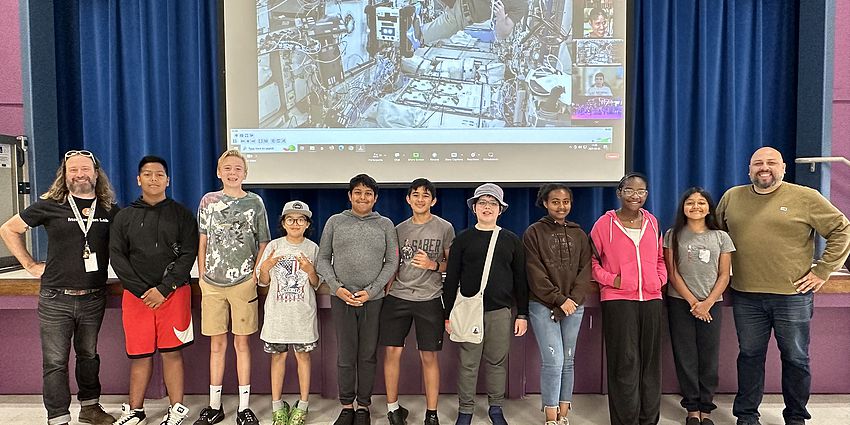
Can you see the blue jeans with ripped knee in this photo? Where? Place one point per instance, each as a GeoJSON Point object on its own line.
{"type": "Point", "coordinates": [557, 344]}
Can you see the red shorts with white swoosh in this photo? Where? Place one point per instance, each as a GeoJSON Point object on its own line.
{"type": "Point", "coordinates": [167, 328]}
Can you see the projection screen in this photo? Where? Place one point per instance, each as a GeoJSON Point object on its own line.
{"type": "Point", "coordinates": [457, 91]}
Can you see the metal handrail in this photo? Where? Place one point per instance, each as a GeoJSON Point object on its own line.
{"type": "Point", "coordinates": [814, 160]}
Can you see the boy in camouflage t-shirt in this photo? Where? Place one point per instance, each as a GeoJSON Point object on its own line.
{"type": "Point", "coordinates": [234, 231]}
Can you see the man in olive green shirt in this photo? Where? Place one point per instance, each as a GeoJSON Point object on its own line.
{"type": "Point", "coordinates": [773, 224]}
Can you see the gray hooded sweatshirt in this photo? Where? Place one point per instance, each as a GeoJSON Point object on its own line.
{"type": "Point", "coordinates": [358, 253]}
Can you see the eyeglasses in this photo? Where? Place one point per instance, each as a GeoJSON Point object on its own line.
{"type": "Point", "coordinates": [86, 154]}
{"type": "Point", "coordinates": [299, 221]}
{"type": "Point", "coordinates": [482, 203]}
{"type": "Point", "coordinates": [629, 192]}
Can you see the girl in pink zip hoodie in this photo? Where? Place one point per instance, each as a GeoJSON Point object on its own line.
{"type": "Point", "coordinates": [629, 266]}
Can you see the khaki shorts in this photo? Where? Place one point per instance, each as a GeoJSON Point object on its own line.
{"type": "Point", "coordinates": [223, 305]}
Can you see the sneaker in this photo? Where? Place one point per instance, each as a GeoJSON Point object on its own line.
{"type": "Point", "coordinates": [281, 416]}
{"type": "Point", "coordinates": [95, 415]}
{"type": "Point", "coordinates": [706, 421]}
{"type": "Point", "coordinates": [246, 417]}
{"type": "Point", "coordinates": [362, 417]}
{"type": "Point", "coordinates": [692, 421]}
{"type": "Point", "coordinates": [464, 419]}
{"type": "Point", "coordinates": [496, 416]}
{"type": "Point", "coordinates": [176, 415]}
{"type": "Point", "coordinates": [551, 423]}
{"type": "Point", "coordinates": [210, 416]}
{"type": "Point", "coordinates": [297, 416]}
{"type": "Point", "coordinates": [346, 417]}
{"type": "Point", "coordinates": [789, 421]}
{"type": "Point", "coordinates": [398, 416]}
{"type": "Point", "coordinates": [432, 419]}
{"type": "Point", "coordinates": [742, 422]}
{"type": "Point", "coordinates": [564, 421]}
{"type": "Point", "coordinates": [131, 416]}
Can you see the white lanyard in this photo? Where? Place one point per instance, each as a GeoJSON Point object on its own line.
{"type": "Point", "coordinates": [85, 228]}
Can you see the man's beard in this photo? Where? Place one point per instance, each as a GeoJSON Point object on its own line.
{"type": "Point", "coordinates": [764, 185]}
{"type": "Point", "coordinates": [82, 187]}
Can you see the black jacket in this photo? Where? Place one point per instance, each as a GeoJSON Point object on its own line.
{"type": "Point", "coordinates": [153, 246]}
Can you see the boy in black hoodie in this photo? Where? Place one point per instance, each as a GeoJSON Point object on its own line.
{"type": "Point", "coordinates": [153, 247]}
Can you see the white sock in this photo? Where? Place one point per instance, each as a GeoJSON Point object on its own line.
{"type": "Point", "coordinates": [277, 405]}
{"type": "Point", "coordinates": [244, 396]}
{"type": "Point", "coordinates": [215, 396]}
{"type": "Point", "coordinates": [392, 407]}
{"type": "Point", "coordinates": [302, 404]}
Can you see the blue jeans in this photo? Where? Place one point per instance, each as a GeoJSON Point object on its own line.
{"type": "Point", "coordinates": [557, 344]}
{"type": "Point", "coordinates": [789, 316]}
{"type": "Point", "coordinates": [63, 320]}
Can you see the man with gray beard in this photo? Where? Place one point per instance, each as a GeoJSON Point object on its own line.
{"type": "Point", "coordinates": [76, 212]}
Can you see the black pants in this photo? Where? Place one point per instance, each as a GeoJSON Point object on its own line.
{"type": "Point", "coordinates": [633, 347]}
{"type": "Point", "coordinates": [696, 351]}
{"type": "Point", "coordinates": [65, 320]}
{"type": "Point", "coordinates": [357, 342]}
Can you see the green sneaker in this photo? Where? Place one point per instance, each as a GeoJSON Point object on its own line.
{"type": "Point", "coordinates": [297, 416]}
{"type": "Point", "coordinates": [281, 416]}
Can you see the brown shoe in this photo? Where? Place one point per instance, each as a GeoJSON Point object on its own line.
{"type": "Point", "coordinates": [95, 415]}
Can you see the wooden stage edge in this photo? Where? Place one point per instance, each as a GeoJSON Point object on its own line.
{"type": "Point", "coordinates": [839, 283]}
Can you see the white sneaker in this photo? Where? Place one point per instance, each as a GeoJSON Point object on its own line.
{"type": "Point", "coordinates": [131, 417]}
{"type": "Point", "coordinates": [176, 414]}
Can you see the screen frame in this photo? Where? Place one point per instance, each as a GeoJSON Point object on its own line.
{"type": "Point", "coordinates": [628, 110]}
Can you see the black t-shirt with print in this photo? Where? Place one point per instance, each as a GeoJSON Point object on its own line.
{"type": "Point", "coordinates": [65, 242]}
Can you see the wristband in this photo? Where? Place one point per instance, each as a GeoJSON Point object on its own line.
{"type": "Point", "coordinates": [437, 267]}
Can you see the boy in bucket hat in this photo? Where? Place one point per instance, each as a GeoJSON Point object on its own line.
{"type": "Point", "coordinates": [506, 286]}
{"type": "Point", "coordinates": [287, 268]}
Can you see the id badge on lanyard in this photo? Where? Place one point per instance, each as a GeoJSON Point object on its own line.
{"type": "Point", "coordinates": [89, 257]}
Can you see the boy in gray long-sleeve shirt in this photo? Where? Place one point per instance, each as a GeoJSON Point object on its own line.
{"type": "Point", "coordinates": [358, 255]}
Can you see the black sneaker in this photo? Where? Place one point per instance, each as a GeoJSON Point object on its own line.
{"type": "Point", "coordinates": [398, 416]}
{"type": "Point", "coordinates": [432, 418]}
{"type": "Point", "coordinates": [741, 422]}
{"type": "Point", "coordinates": [706, 421]}
{"type": "Point", "coordinates": [362, 417]}
{"type": "Point", "coordinates": [346, 417]}
{"type": "Point", "coordinates": [131, 416]}
{"type": "Point", "coordinates": [210, 416]}
{"type": "Point", "coordinates": [246, 417]}
{"type": "Point", "coordinates": [692, 421]}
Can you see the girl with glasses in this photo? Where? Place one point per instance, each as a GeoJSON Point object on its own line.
{"type": "Point", "coordinates": [290, 321]}
{"type": "Point", "coordinates": [629, 266]}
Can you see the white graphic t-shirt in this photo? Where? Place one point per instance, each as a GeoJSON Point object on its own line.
{"type": "Point", "coordinates": [290, 309]}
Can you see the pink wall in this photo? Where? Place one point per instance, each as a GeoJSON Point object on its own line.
{"type": "Point", "coordinates": [840, 187]}
{"type": "Point", "coordinates": [11, 97]}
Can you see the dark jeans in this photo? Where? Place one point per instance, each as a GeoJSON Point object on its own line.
{"type": "Point", "coordinates": [64, 319]}
{"type": "Point", "coordinates": [789, 316]}
{"type": "Point", "coordinates": [356, 344]}
{"type": "Point", "coordinates": [696, 351]}
{"type": "Point", "coordinates": [632, 332]}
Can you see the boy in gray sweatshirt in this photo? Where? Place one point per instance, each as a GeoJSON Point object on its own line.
{"type": "Point", "coordinates": [358, 255]}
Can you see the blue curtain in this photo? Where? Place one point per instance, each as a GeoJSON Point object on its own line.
{"type": "Point", "coordinates": [136, 78]}
{"type": "Point", "coordinates": [711, 81]}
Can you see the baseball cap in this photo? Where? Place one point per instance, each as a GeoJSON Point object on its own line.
{"type": "Point", "coordinates": [296, 207]}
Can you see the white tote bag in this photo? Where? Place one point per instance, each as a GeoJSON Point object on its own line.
{"type": "Point", "coordinates": [467, 315]}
